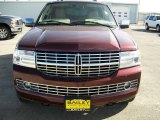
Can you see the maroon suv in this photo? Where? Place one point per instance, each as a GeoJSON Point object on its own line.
{"type": "Point", "coordinates": [76, 55]}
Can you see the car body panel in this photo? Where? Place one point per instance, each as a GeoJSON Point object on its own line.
{"type": "Point", "coordinates": [123, 75]}
{"type": "Point", "coordinates": [76, 38]}
{"type": "Point", "coordinates": [83, 38]}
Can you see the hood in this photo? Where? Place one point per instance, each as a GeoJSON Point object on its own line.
{"type": "Point", "coordinates": [126, 42]}
{"type": "Point", "coordinates": [10, 17]}
{"type": "Point", "coordinates": [70, 39]}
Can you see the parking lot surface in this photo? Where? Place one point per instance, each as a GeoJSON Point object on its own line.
{"type": "Point", "coordinates": [146, 105]}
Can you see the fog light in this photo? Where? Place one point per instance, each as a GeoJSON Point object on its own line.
{"type": "Point", "coordinates": [127, 85]}
{"type": "Point", "coordinates": [17, 59]}
{"type": "Point", "coordinates": [27, 85]}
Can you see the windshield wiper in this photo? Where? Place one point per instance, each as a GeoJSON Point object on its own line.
{"type": "Point", "coordinates": [53, 22]}
{"type": "Point", "coordinates": [93, 22]}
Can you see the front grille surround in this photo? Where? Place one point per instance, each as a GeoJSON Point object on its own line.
{"type": "Point", "coordinates": [76, 91]}
{"type": "Point", "coordinates": [88, 65]}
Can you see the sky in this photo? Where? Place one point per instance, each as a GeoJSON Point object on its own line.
{"type": "Point", "coordinates": [149, 6]}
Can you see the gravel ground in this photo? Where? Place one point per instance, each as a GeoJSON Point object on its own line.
{"type": "Point", "coordinates": [146, 106]}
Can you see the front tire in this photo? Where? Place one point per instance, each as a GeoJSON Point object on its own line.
{"type": "Point", "coordinates": [146, 26]}
{"type": "Point", "coordinates": [158, 28]}
{"type": "Point", "coordinates": [5, 33]}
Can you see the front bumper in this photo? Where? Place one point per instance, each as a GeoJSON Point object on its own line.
{"type": "Point", "coordinates": [124, 75]}
{"type": "Point", "coordinates": [16, 29]}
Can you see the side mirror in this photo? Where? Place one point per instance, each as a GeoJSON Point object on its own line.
{"type": "Point", "coordinates": [29, 22]}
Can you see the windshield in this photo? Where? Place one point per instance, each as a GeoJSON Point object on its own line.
{"type": "Point", "coordinates": [76, 13]}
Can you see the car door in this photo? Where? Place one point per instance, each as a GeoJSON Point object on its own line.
{"type": "Point", "coordinates": [151, 21]}
{"type": "Point", "coordinates": [154, 24]}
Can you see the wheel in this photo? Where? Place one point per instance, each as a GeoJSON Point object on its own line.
{"type": "Point", "coordinates": [146, 26]}
{"type": "Point", "coordinates": [158, 28]}
{"type": "Point", "coordinates": [5, 33]}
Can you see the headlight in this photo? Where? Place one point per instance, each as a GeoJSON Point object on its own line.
{"type": "Point", "coordinates": [129, 59]}
{"type": "Point", "coordinates": [14, 23]}
{"type": "Point", "coordinates": [24, 58]}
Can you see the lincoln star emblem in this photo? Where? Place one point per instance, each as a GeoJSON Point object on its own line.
{"type": "Point", "coordinates": [78, 64]}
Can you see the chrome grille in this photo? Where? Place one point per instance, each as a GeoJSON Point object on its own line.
{"type": "Point", "coordinates": [77, 91]}
{"type": "Point", "coordinates": [77, 64]}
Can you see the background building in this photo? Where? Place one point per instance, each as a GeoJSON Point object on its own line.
{"type": "Point", "coordinates": [122, 9]}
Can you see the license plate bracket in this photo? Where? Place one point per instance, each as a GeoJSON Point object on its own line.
{"type": "Point", "coordinates": [77, 103]}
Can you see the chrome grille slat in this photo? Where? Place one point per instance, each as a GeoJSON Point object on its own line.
{"type": "Point", "coordinates": [57, 70]}
{"type": "Point", "coordinates": [63, 91]}
{"type": "Point", "coordinates": [100, 60]}
{"type": "Point", "coordinates": [52, 61]}
{"type": "Point", "coordinates": [55, 57]}
{"type": "Point", "coordinates": [64, 64]}
{"type": "Point", "coordinates": [54, 64]}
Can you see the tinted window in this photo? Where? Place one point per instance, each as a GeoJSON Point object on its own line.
{"type": "Point", "coordinates": [155, 18]}
{"type": "Point", "coordinates": [151, 17]}
{"type": "Point", "coordinates": [158, 17]}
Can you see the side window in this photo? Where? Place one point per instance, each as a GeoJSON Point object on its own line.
{"type": "Point", "coordinates": [151, 18]}
{"type": "Point", "coordinates": [155, 18]}
{"type": "Point", "coordinates": [158, 17]}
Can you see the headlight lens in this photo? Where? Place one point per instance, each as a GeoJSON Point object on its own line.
{"type": "Point", "coordinates": [129, 59]}
{"type": "Point", "coordinates": [24, 58]}
{"type": "Point", "coordinates": [14, 23]}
